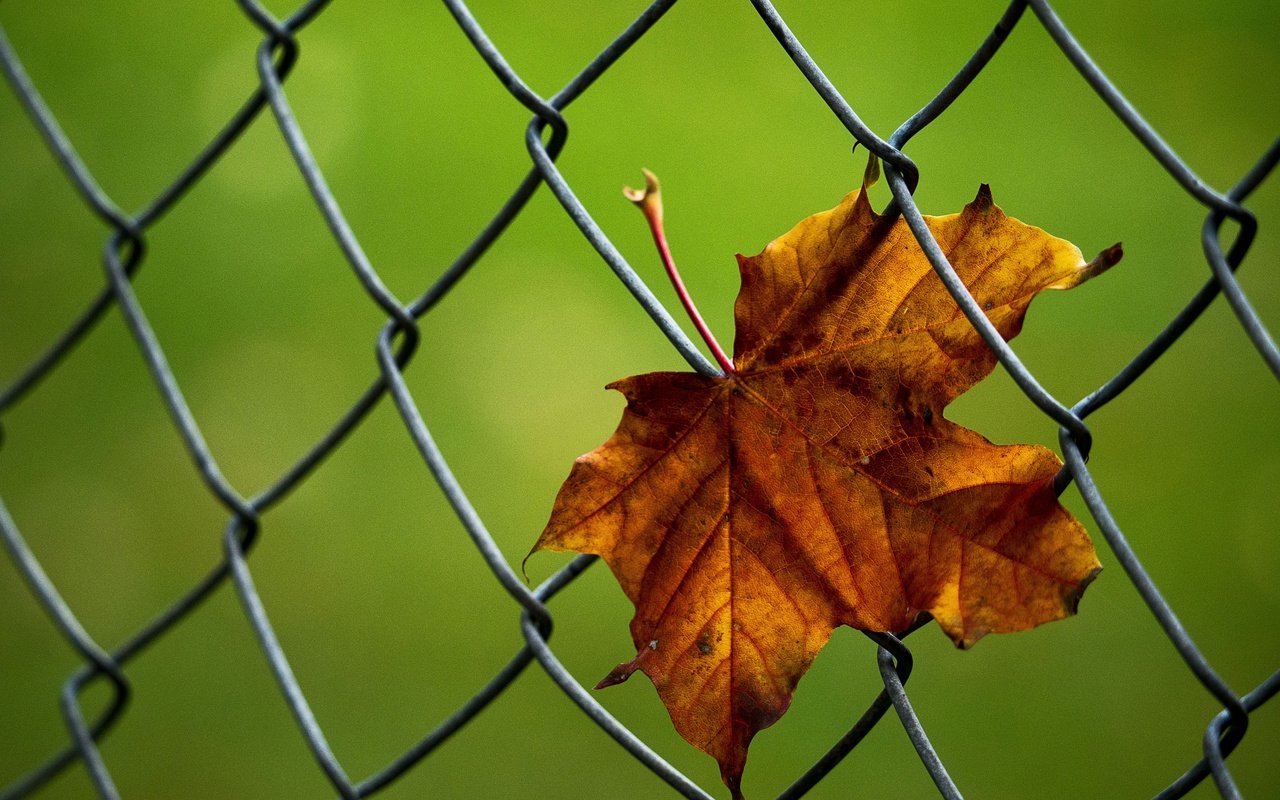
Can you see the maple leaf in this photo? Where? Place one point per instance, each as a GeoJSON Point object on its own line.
{"type": "Point", "coordinates": [818, 483]}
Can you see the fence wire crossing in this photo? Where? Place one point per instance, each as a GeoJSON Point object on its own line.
{"type": "Point", "coordinates": [125, 250]}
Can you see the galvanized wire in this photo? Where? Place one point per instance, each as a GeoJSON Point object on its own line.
{"type": "Point", "coordinates": [125, 251]}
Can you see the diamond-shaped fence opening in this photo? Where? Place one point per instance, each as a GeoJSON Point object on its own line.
{"type": "Point", "coordinates": [82, 587]}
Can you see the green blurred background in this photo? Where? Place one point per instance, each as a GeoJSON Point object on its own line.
{"type": "Point", "coordinates": [387, 612]}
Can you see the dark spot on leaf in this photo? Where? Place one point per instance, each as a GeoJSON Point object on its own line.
{"type": "Point", "coordinates": [811, 339]}
{"type": "Point", "coordinates": [780, 348]}
{"type": "Point", "coordinates": [852, 379]}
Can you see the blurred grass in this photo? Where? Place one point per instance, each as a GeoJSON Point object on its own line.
{"type": "Point", "coordinates": [388, 614]}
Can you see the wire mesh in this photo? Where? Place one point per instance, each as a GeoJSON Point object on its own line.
{"type": "Point", "coordinates": [277, 55]}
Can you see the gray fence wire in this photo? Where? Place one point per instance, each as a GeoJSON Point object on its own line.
{"type": "Point", "coordinates": [125, 249]}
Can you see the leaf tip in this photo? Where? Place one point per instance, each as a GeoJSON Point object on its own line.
{"type": "Point", "coordinates": [619, 386]}
{"type": "Point", "coordinates": [983, 201]}
{"type": "Point", "coordinates": [970, 637]}
{"type": "Point", "coordinates": [1108, 258]}
{"type": "Point", "coordinates": [621, 672]}
{"type": "Point", "coordinates": [736, 789]}
{"type": "Point", "coordinates": [871, 175]}
{"type": "Point", "coordinates": [731, 775]}
{"type": "Point", "coordinates": [1071, 600]}
{"type": "Point", "coordinates": [1102, 262]}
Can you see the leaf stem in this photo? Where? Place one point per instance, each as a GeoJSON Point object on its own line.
{"type": "Point", "coordinates": [649, 201]}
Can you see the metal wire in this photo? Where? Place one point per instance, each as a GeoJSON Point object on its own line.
{"type": "Point", "coordinates": [125, 251]}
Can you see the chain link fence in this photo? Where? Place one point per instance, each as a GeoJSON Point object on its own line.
{"type": "Point", "coordinates": [107, 664]}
